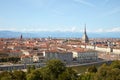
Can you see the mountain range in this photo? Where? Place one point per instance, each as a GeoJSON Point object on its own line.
{"type": "Point", "coordinates": [57, 34]}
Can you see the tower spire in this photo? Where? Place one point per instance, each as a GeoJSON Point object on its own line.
{"type": "Point", "coordinates": [21, 36]}
{"type": "Point", "coordinates": [85, 29]}
{"type": "Point", "coordinates": [85, 37]}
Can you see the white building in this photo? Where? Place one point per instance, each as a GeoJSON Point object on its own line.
{"type": "Point", "coordinates": [39, 57]}
{"type": "Point", "coordinates": [102, 49]}
{"type": "Point", "coordinates": [66, 57]}
{"type": "Point", "coordinates": [25, 52]}
{"type": "Point", "coordinates": [27, 59]}
{"type": "Point", "coordinates": [84, 56]}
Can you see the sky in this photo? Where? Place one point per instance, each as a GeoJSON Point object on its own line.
{"type": "Point", "coordinates": [60, 15]}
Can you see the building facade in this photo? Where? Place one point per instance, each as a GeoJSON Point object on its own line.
{"type": "Point", "coordinates": [85, 56]}
{"type": "Point", "coordinates": [66, 57]}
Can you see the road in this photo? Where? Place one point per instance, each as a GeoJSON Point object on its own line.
{"type": "Point", "coordinates": [78, 64]}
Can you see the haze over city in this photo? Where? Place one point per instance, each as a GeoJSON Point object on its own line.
{"type": "Point", "coordinates": [60, 15]}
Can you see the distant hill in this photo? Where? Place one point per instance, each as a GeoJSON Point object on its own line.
{"type": "Point", "coordinates": [57, 34]}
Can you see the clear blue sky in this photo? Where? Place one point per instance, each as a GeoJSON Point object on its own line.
{"type": "Point", "coordinates": [60, 15]}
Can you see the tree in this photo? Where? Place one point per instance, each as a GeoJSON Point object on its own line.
{"type": "Point", "coordinates": [19, 75]}
{"type": "Point", "coordinates": [114, 74]}
{"type": "Point", "coordinates": [55, 68]}
{"type": "Point", "coordinates": [34, 75]}
{"type": "Point", "coordinates": [33, 67]}
{"type": "Point", "coordinates": [102, 73]}
{"type": "Point", "coordinates": [30, 68]}
{"type": "Point", "coordinates": [45, 73]}
{"type": "Point", "coordinates": [6, 75]}
{"type": "Point", "coordinates": [68, 74]}
{"type": "Point", "coordinates": [86, 76]}
{"type": "Point", "coordinates": [115, 64]}
{"type": "Point", "coordinates": [51, 71]}
{"type": "Point", "coordinates": [92, 69]}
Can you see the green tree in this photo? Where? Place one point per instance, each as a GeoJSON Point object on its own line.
{"type": "Point", "coordinates": [6, 75]}
{"type": "Point", "coordinates": [33, 67]}
{"type": "Point", "coordinates": [86, 76]}
{"type": "Point", "coordinates": [92, 69]}
{"type": "Point", "coordinates": [113, 74]}
{"type": "Point", "coordinates": [34, 75]}
{"type": "Point", "coordinates": [102, 73]}
{"type": "Point", "coordinates": [68, 74]}
{"type": "Point", "coordinates": [19, 75]}
{"type": "Point", "coordinates": [55, 68]}
{"type": "Point", "coordinates": [45, 73]}
{"type": "Point", "coordinates": [115, 64]}
{"type": "Point", "coordinates": [30, 68]}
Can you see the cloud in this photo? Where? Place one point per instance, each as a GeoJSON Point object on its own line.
{"type": "Point", "coordinates": [100, 30]}
{"type": "Point", "coordinates": [61, 29]}
{"type": "Point", "coordinates": [114, 29]}
{"type": "Point", "coordinates": [85, 3]}
{"type": "Point", "coordinates": [73, 29]}
{"type": "Point", "coordinates": [65, 29]}
{"type": "Point", "coordinates": [9, 29]}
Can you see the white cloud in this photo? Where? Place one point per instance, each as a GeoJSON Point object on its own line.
{"type": "Point", "coordinates": [65, 29]}
{"type": "Point", "coordinates": [73, 29]}
{"type": "Point", "coordinates": [100, 30]}
{"type": "Point", "coordinates": [114, 29]}
{"type": "Point", "coordinates": [62, 29]}
{"type": "Point", "coordinates": [9, 29]}
{"type": "Point", "coordinates": [84, 2]}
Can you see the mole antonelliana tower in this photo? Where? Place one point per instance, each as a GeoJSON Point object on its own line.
{"type": "Point", "coordinates": [85, 37]}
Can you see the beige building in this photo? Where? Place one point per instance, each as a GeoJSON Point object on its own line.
{"type": "Point", "coordinates": [66, 57]}
{"type": "Point", "coordinates": [39, 57]}
{"type": "Point", "coordinates": [27, 59]}
{"type": "Point", "coordinates": [84, 56]}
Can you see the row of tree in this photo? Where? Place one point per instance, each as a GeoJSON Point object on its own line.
{"type": "Point", "coordinates": [56, 70]}
{"type": "Point", "coordinates": [9, 59]}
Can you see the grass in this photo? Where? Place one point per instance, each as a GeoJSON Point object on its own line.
{"type": "Point", "coordinates": [83, 69]}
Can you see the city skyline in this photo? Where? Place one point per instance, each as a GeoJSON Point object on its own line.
{"type": "Point", "coordinates": [60, 15]}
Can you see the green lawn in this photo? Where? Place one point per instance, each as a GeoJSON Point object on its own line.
{"type": "Point", "coordinates": [82, 69]}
